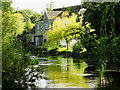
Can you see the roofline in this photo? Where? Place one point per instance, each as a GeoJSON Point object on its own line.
{"type": "Point", "coordinates": [66, 7]}
{"type": "Point", "coordinates": [53, 11]}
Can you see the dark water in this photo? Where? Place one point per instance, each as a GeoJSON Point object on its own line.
{"type": "Point", "coordinates": [63, 72]}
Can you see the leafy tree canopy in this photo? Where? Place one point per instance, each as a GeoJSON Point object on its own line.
{"type": "Point", "coordinates": [14, 60]}
{"type": "Point", "coordinates": [64, 28]}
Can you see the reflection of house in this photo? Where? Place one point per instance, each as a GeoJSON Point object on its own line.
{"type": "Point", "coordinates": [36, 34]}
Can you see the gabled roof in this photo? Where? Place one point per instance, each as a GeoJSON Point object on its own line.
{"type": "Point", "coordinates": [32, 31]}
{"type": "Point", "coordinates": [53, 14]}
{"type": "Point", "coordinates": [75, 8]}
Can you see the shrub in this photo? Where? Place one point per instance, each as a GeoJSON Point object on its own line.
{"type": "Point", "coordinates": [34, 62]}
{"type": "Point", "coordinates": [77, 48]}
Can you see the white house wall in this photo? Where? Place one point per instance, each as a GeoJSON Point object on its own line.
{"type": "Point", "coordinates": [72, 42]}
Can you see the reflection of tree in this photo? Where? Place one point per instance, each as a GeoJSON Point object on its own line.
{"type": "Point", "coordinates": [67, 64]}
{"type": "Point", "coordinates": [68, 72]}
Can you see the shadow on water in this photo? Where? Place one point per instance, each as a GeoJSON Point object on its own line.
{"type": "Point", "coordinates": [63, 72]}
{"type": "Point", "coordinates": [112, 80]}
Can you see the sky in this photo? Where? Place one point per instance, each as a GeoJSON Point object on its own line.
{"type": "Point", "coordinates": [40, 5]}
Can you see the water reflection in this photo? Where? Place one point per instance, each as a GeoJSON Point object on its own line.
{"type": "Point", "coordinates": [66, 73]}
{"type": "Point", "coordinates": [58, 72]}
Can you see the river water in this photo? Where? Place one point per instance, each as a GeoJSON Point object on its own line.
{"type": "Point", "coordinates": [60, 72]}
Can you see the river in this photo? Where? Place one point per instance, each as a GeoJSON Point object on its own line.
{"type": "Point", "coordinates": [61, 72]}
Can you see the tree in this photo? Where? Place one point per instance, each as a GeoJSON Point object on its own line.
{"type": "Point", "coordinates": [27, 15]}
{"type": "Point", "coordinates": [104, 18]}
{"type": "Point", "coordinates": [50, 6]}
{"type": "Point", "coordinates": [64, 26]}
{"type": "Point", "coordinates": [28, 11]}
{"type": "Point", "coordinates": [14, 60]}
{"type": "Point", "coordinates": [36, 17]}
{"type": "Point", "coordinates": [69, 30]}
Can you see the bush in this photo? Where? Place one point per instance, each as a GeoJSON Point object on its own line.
{"type": "Point", "coordinates": [33, 62]}
{"type": "Point", "coordinates": [77, 48]}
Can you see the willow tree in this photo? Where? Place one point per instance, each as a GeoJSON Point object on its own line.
{"type": "Point", "coordinates": [104, 18]}
{"type": "Point", "coordinates": [62, 27]}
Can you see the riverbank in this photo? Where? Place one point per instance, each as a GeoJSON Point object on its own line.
{"type": "Point", "coordinates": [41, 51]}
{"type": "Point", "coordinates": [66, 72]}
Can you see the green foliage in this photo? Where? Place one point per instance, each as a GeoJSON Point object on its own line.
{"type": "Point", "coordinates": [89, 42]}
{"type": "Point", "coordinates": [14, 60]}
{"type": "Point", "coordinates": [104, 19]}
{"type": "Point", "coordinates": [12, 25]}
{"type": "Point", "coordinates": [64, 49]}
{"type": "Point", "coordinates": [29, 18]}
{"type": "Point", "coordinates": [29, 25]}
{"type": "Point", "coordinates": [36, 17]}
{"type": "Point", "coordinates": [27, 13]}
{"type": "Point", "coordinates": [77, 48]}
{"type": "Point", "coordinates": [64, 27]}
{"type": "Point", "coordinates": [33, 62]}
{"type": "Point", "coordinates": [104, 45]}
{"type": "Point", "coordinates": [6, 6]}
{"type": "Point", "coordinates": [69, 9]}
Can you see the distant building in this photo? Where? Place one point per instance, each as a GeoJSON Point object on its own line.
{"type": "Point", "coordinates": [36, 34]}
{"type": "Point", "coordinates": [41, 27]}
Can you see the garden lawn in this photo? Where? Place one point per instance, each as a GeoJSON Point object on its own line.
{"type": "Point", "coordinates": [61, 49]}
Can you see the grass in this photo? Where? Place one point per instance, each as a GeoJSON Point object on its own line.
{"type": "Point", "coordinates": [48, 49]}
{"type": "Point", "coordinates": [61, 49]}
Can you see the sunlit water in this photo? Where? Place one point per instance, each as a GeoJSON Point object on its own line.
{"type": "Point", "coordinates": [59, 72]}
{"type": "Point", "coordinates": [64, 73]}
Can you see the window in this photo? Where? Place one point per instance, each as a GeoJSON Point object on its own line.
{"type": "Point", "coordinates": [46, 26]}
{"type": "Point", "coordinates": [38, 27]}
{"type": "Point", "coordinates": [32, 39]}
{"type": "Point", "coordinates": [51, 26]}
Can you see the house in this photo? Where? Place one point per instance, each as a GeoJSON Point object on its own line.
{"type": "Point", "coordinates": [36, 34]}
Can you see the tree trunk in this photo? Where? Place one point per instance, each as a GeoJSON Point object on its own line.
{"type": "Point", "coordinates": [67, 46]}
